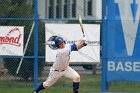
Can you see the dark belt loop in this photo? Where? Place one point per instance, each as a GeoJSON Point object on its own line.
{"type": "Point", "coordinates": [59, 70]}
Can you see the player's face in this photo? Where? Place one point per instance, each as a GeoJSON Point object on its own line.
{"type": "Point", "coordinates": [62, 45]}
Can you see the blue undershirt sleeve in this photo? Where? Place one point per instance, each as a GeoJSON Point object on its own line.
{"type": "Point", "coordinates": [74, 47]}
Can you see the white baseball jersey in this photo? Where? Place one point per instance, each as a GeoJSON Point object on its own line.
{"type": "Point", "coordinates": [62, 58]}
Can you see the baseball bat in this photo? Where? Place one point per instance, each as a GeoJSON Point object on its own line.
{"type": "Point", "coordinates": [81, 25]}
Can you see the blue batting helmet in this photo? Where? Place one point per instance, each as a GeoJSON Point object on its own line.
{"type": "Point", "coordinates": [58, 40]}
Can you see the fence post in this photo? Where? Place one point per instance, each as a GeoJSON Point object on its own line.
{"type": "Point", "coordinates": [36, 43]}
{"type": "Point", "coordinates": [104, 48]}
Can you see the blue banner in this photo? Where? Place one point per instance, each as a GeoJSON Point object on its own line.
{"type": "Point", "coordinates": [123, 40]}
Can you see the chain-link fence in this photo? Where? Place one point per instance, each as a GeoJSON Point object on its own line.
{"type": "Point", "coordinates": [11, 13]}
{"type": "Point", "coordinates": [25, 72]}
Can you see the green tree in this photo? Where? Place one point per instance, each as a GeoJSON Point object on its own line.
{"type": "Point", "coordinates": [21, 9]}
{"type": "Point", "coordinates": [4, 9]}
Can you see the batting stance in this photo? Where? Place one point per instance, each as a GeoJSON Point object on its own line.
{"type": "Point", "coordinates": [61, 65]}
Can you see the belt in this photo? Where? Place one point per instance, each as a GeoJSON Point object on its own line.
{"type": "Point", "coordinates": [59, 70]}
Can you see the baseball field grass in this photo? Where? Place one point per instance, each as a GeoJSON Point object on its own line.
{"type": "Point", "coordinates": [89, 84]}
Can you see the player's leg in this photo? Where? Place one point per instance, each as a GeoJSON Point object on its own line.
{"type": "Point", "coordinates": [52, 78]}
{"type": "Point", "coordinates": [72, 74]}
{"type": "Point", "coordinates": [40, 87]}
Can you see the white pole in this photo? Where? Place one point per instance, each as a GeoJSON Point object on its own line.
{"type": "Point", "coordinates": [26, 45]}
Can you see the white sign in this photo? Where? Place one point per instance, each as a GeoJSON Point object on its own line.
{"type": "Point", "coordinates": [71, 33]}
{"type": "Point", "coordinates": [11, 40]}
{"type": "Point", "coordinates": [128, 66]}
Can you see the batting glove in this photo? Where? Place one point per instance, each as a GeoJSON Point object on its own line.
{"type": "Point", "coordinates": [84, 43]}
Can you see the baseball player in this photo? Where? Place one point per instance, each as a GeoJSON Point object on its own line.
{"type": "Point", "coordinates": [61, 65]}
